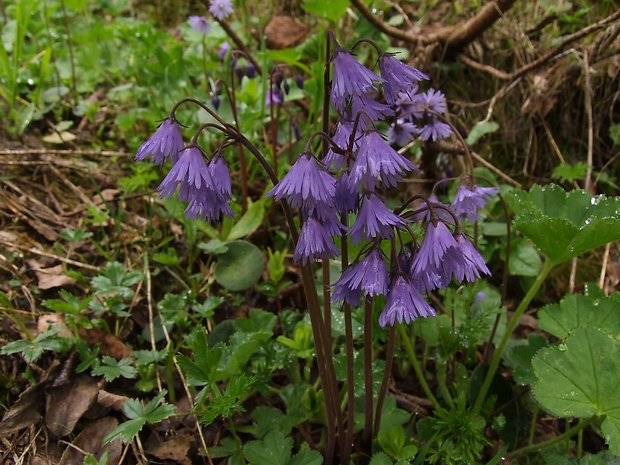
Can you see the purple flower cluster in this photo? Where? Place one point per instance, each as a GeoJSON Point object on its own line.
{"type": "Point", "coordinates": [350, 180]}
{"type": "Point", "coordinates": [205, 186]}
{"type": "Point", "coordinates": [365, 164]}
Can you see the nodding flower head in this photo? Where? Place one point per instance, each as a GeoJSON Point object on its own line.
{"type": "Point", "coordinates": [350, 79]}
{"type": "Point", "coordinates": [306, 184]}
{"type": "Point", "coordinates": [376, 111]}
{"type": "Point", "coordinates": [221, 54]}
{"type": "Point", "coordinates": [401, 132]}
{"type": "Point", "coordinates": [437, 240]}
{"type": "Point", "coordinates": [404, 303]}
{"type": "Point", "coordinates": [315, 240]}
{"type": "Point", "coordinates": [469, 200]}
{"type": "Point", "coordinates": [464, 262]}
{"type": "Point", "coordinates": [399, 77]}
{"type": "Point", "coordinates": [200, 23]}
{"type": "Point", "coordinates": [369, 276]}
{"type": "Point", "coordinates": [192, 176]}
{"type": "Point", "coordinates": [375, 220]}
{"type": "Point", "coordinates": [166, 143]}
{"type": "Point", "coordinates": [377, 160]}
{"type": "Point", "coordinates": [220, 8]}
{"type": "Point", "coordinates": [274, 96]}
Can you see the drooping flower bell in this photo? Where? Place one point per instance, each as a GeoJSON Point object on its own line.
{"type": "Point", "coordinates": [404, 303]}
{"type": "Point", "coordinates": [368, 276]}
{"type": "Point", "coordinates": [306, 184]}
{"type": "Point", "coordinates": [469, 200]}
{"type": "Point", "coordinates": [165, 144]}
{"type": "Point", "coordinates": [374, 220]}
{"type": "Point", "coordinates": [192, 176]}
{"type": "Point", "coordinates": [200, 23]}
{"type": "Point", "coordinates": [399, 77]}
{"type": "Point", "coordinates": [350, 79]}
{"type": "Point", "coordinates": [375, 161]}
{"type": "Point", "coordinates": [315, 240]}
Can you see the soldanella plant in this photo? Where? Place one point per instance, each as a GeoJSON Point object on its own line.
{"type": "Point", "coordinates": [334, 202]}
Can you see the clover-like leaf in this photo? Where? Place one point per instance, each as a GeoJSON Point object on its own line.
{"type": "Point", "coordinates": [581, 378]}
{"type": "Point", "coordinates": [563, 225]}
{"type": "Point", "coordinates": [579, 311]}
{"type": "Point", "coordinates": [139, 415]}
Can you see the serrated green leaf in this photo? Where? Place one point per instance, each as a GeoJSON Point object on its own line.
{"type": "Point", "coordinates": [392, 440]}
{"type": "Point", "coordinates": [45, 341]}
{"type": "Point", "coordinates": [570, 173]}
{"type": "Point", "coordinates": [380, 458]}
{"type": "Point", "coordinates": [126, 431]}
{"type": "Point", "coordinates": [578, 311]}
{"type": "Point", "coordinates": [581, 378]}
{"type": "Point", "coordinates": [115, 281]}
{"type": "Point", "coordinates": [520, 357]}
{"type": "Point", "coordinates": [274, 449]}
{"type": "Point", "coordinates": [224, 405]}
{"type": "Point", "coordinates": [306, 457]}
{"type": "Point", "coordinates": [112, 369]}
{"type": "Point", "coordinates": [272, 419]}
{"type": "Point", "coordinates": [563, 225]}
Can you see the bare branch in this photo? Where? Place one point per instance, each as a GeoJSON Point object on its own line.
{"type": "Point", "coordinates": [454, 38]}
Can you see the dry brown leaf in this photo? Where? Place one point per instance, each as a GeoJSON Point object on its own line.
{"type": "Point", "coordinates": [59, 138]}
{"type": "Point", "coordinates": [66, 404]}
{"type": "Point", "coordinates": [284, 32]}
{"type": "Point", "coordinates": [109, 344]}
{"type": "Point", "coordinates": [109, 400]}
{"type": "Point", "coordinates": [175, 449]}
{"type": "Point", "coordinates": [47, 321]}
{"type": "Point", "coordinates": [89, 441]}
{"type": "Point", "coordinates": [50, 277]}
{"type": "Point", "coordinates": [106, 195]}
{"type": "Point", "coordinates": [26, 411]}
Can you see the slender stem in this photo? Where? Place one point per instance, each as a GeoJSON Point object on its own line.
{"type": "Point", "coordinates": [504, 289]}
{"type": "Point", "coordinates": [204, 62]}
{"type": "Point", "coordinates": [327, 307]}
{"type": "Point", "coordinates": [551, 442]}
{"type": "Point", "coordinates": [368, 390]}
{"type": "Point", "coordinates": [389, 361]}
{"type": "Point", "coordinates": [580, 443]}
{"type": "Point", "coordinates": [242, 163]}
{"type": "Point", "coordinates": [348, 329]}
{"type": "Point", "coordinates": [316, 320]}
{"type": "Point", "coordinates": [547, 266]}
{"type": "Point", "coordinates": [71, 55]}
{"type": "Point", "coordinates": [406, 343]}
{"type": "Point", "coordinates": [238, 442]}
{"type": "Point", "coordinates": [530, 439]}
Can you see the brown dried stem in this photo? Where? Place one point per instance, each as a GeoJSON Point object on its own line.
{"type": "Point", "coordinates": [454, 38]}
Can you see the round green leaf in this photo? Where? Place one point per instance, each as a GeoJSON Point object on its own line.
{"type": "Point", "coordinates": [581, 378]}
{"type": "Point", "coordinates": [240, 267]}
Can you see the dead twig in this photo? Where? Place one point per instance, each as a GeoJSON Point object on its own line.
{"type": "Point", "coordinates": [551, 55]}
{"type": "Point", "coordinates": [98, 153]}
{"type": "Point", "coordinates": [454, 38]}
{"type": "Point", "coordinates": [41, 253]}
